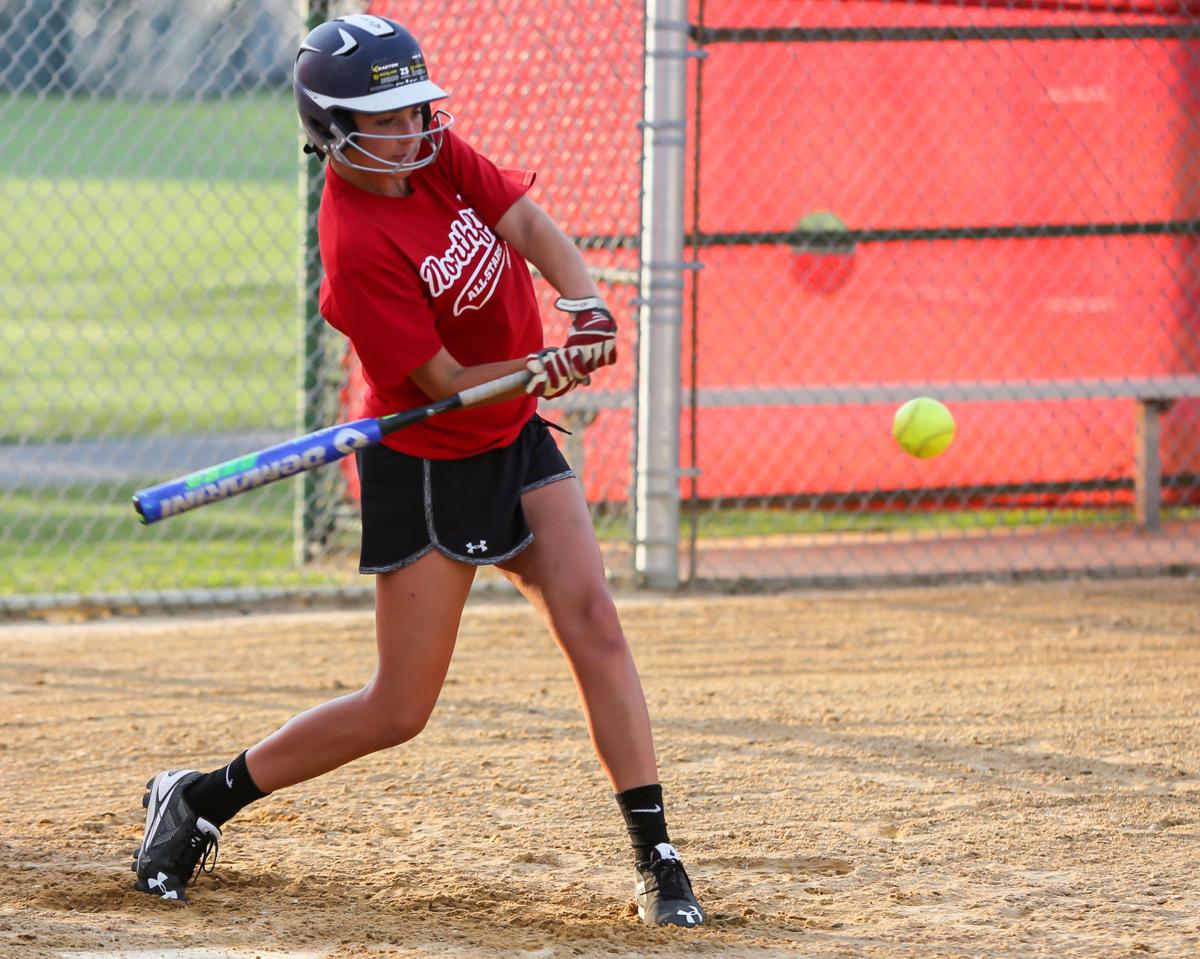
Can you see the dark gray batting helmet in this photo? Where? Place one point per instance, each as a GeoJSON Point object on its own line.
{"type": "Point", "coordinates": [364, 64]}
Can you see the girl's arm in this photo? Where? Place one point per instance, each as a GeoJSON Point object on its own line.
{"type": "Point", "coordinates": [538, 238]}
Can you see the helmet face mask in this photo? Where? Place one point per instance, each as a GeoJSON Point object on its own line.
{"type": "Point", "coordinates": [365, 64]}
{"type": "Point", "coordinates": [430, 137]}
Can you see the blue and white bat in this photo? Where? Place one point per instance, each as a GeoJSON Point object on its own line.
{"type": "Point", "coordinates": [278, 462]}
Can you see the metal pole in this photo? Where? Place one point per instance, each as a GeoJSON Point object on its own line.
{"type": "Point", "coordinates": [1147, 476]}
{"type": "Point", "coordinates": [693, 533]}
{"type": "Point", "coordinates": [656, 482]}
{"type": "Point", "coordinates": [310, 525]}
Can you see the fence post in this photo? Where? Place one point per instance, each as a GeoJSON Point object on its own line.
{"type": "Point", "coordinates": [312, 524]}
{"type": "Point", "coordinates": [656, 480]}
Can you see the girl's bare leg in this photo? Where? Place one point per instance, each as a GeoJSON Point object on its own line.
{"type": "Point", "coordinates": [562, 575]}
{"type": "Point", "coordinates": [417, 614]}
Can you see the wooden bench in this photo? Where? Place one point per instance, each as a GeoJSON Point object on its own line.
{"type": "Point", "coordinates": [1153, 395]}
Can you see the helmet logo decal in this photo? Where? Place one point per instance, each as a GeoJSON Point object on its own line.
{"type": "Point", "coordinates": [416, 70]}
{"type": "Point", "coordinates": [383, 75]}
{"type": "Point", "coordinates": [349, 44]}
{"type": "Point", "coordinates": [376, 26]}
{"type": "Point", "coordinates": [391, 73]}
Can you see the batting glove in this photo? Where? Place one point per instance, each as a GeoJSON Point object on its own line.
{"type": "Point", "coordinates": [593, 332]}
{"type": "Point", "coordinates": [555, 371]}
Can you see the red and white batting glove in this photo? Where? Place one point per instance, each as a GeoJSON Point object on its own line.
{"type": "Point", "coordinates": [593, 332]}
{"type": "Point", "coordinates": [555, 371]}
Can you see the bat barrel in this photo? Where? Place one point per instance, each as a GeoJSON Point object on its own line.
{"type": "Point", "coordinates": [295, 456]}
{"type": "Point", "coordinates": [254, 470]}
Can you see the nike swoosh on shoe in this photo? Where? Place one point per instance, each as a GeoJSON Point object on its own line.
{"type": "Point", "coordinates": [157, 805]}
{"type": "Point", "coordinates": [168, 780]}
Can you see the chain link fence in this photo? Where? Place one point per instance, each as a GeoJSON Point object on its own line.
{"type": "Point", "coordinates": [149, 322]}
{"type": "Point", "coordinates": [994, 205]}
{"type": "Point", "coordinates": [159, 274]}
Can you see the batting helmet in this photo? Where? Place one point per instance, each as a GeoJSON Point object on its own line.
{"type": "Point", "coordinates": [364, 64]}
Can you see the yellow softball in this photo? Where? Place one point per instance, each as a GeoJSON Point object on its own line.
{"type": "Point", "coordinates": [923, 427]}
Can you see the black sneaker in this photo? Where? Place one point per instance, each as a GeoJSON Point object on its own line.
{"type": "Point", "coordinates": [664, 892]}
{"type": "Point", "coordinates": [177, 842]}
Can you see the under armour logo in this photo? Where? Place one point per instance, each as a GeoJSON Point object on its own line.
{"type": "Point", "coordinates": [481, 546]}
{"type": "Point", "coordinates": [159, 882]}
{"type": "Point", "coordinates": [691, 914]}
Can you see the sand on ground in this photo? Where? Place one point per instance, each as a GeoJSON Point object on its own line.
{"type": "Point", "coordinates": [971, 771]}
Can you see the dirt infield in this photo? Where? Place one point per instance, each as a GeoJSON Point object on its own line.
{"type": "Point", "coordinates": [970, 771]}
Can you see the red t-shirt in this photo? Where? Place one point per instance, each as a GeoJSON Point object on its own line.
{"type": "Point", "coordinates": [405, 276]}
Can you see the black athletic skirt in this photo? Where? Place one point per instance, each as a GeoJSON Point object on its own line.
{"type": "Point", "coordinates": [467, 509]}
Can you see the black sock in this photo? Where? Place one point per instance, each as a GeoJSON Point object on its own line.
{"type": "Point", "coordinates": [219, 795]}
{"type": "Point", "coordinates": [642, 808]}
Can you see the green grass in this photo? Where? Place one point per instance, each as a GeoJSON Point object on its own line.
{"type": "Point", "coordinates": [129, 306]}
{"type": "Point", "coordinates": [733, 523]}
{"type": "Point", "coordinates": [148, 282]}
{"type": "Point", "coordinates": [89, 540]}
{"type": "Point", "coordinates": [246, 138]}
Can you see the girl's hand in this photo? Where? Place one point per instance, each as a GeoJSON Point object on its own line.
{"type": "Point", "coordinates": [593, 331]}
{"type": "Point", "coordinates": [555, 371]}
